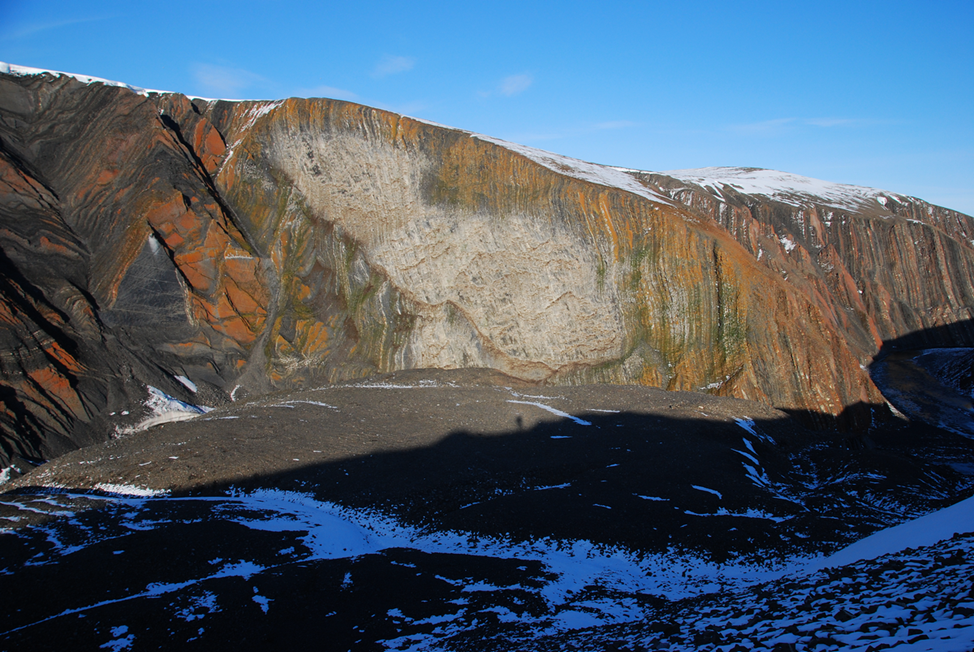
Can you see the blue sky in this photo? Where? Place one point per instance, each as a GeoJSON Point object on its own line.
{"type": "Point", "coordinates": [872, 93]}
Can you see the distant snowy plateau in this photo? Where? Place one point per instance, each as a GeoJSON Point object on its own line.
{"type": "Point", "coordinates": [468, 509]}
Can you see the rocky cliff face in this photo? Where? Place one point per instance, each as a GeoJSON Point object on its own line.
{"type": "Point", "coordinates": [234, 247]}
{"type": "Point", "coordinates": [881, 266]}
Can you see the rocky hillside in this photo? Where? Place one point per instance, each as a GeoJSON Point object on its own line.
{"type": "Point", "coordinates": [213, 249]}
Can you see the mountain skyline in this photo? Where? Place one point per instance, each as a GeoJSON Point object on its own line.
{"type": "Point", "coordinates": [872, 95]}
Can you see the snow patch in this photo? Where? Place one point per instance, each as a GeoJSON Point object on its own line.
{"type": "Point", "coordinates": [6, 475]}
{"type": "Point", "coordinates": [431, 123]}
{"type": "Point", "coordinates": [750, 513]}
{"type": "Point", "coordinates": [121, 641]}
{"type": "Point", "coordinates": [748, 456]}
{"type": "Point", "coordinates": [554, 411]}
{"type": "Point", "coordinates": [565, 485]}
{"type": "Point", "coordinates": [751, 427]}
{"type": "Point", "coordinates": [757, 476]}
{"type": "Point", "coordinates": [262, 601]}
{"type": "Point", "coordinates": [189, 384]}
{"type": "Point", "coordinates": [334, 531]}
{"type": "Point", "coordinates": [709, 491]}
{"type": "Point", "coordinates": [207, 601]}
{"type": "Point", "coordinates": [292, 403]}
{"type": "Point", "coordinates": [130, 490]}
{"type": "Point", "coordinates": [423, 384]}
{"type": "Point", "coordinates": [165, 409]}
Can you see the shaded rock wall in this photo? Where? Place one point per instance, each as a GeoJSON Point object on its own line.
{"type": "Point", "coordinates": [250, 246]}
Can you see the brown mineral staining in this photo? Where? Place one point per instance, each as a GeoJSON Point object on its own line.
{"type": "Point", "coordinates": [105, 177]}
{"type": "Point", "coordinates": [62, 358]}
{"type": "Point", "coordinates": [208, 145]}
{"type": "Point", "coordinates": [54, 386]}
{"type": "Point", "coordinates": [55, 248]}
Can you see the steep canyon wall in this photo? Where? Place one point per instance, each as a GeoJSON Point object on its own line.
{"type": "Point", "coordinates": [252, 246]}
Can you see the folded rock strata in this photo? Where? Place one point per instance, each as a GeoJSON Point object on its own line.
{"type": "Point", "coordinates": [253, 246]}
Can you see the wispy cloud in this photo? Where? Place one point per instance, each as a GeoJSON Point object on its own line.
{"type": "Point", "coordinates": [515, 84]}
{"type": "Point", "coordinates": [763, 128]}
{"type": "Point", "coordinates": [25, 31]}
{"type": "Point", "coordinates": [390, 65]}
{"type": "Point", "coordinates": [329, 92]}
{"type": "Point", "coordinates": [780, 126]}
{"type": "Point", "coordinates": [224, 82]}
{"type": "Point", "coordinates": [615, 124]}
{"type": "Point", "coordinates": [831, 122]}
{"type": "Point", "coordinates": [509, 86]}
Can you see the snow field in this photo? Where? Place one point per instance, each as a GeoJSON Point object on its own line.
{"type": "Point", "coordinates": [787, 188]}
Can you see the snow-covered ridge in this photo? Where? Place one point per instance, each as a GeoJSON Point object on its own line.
{"type": "Point", "coordinates": [591, 172]}
{"type": "Point", "coordinates": [785, 187]}
{"type": "Point", "coordinates": [918, 533]}
{"type": "Point", "coordinates": [24, 71]}
{"type": "Point", "coordinates": [602, 175]}
{"type": "Point", "coordinates": [788, 188]}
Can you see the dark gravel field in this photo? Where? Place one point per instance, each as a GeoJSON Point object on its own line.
{"type": "Point", "coordinates": [429, 510]}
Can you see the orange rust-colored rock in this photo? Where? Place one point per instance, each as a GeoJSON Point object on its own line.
{"type": "Point", "coordinates": [268, 245]}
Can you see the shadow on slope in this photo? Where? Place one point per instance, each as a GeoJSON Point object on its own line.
{"type": "Point", "coordinates": [957, 334]}
{"type": "Point", "coordinates": [636, 467]}
{"type": "Point", "coordinates": [672, 474]}
{"type": "Point", "coordinates": [928, 376]}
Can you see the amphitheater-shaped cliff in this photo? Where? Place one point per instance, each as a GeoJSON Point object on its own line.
{"type": "Point", "coordinates": [226, 248]}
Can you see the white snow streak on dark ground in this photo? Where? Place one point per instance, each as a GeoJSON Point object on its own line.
{"type": "Point", "coordinates": [916, 601]}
